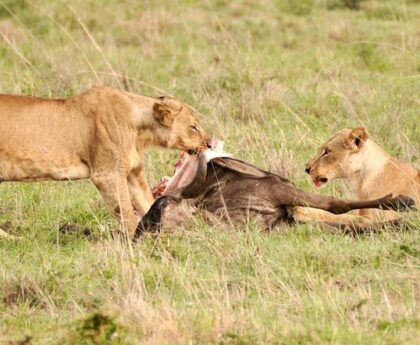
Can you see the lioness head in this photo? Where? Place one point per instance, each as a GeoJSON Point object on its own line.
{"type": "Point", "coordinates": [182, 128]}
{"type": "Point", "coordinates": [340, 157]}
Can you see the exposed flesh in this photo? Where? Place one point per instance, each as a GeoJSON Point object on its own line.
{"type": "Point", "coordinates": [186, 169]}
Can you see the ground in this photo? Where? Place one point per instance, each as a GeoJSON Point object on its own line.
{"type": "Point", "coordinates": [274, 79]}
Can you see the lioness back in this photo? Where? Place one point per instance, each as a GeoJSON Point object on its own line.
{"type": "Point", "coordinates": [42, 139]}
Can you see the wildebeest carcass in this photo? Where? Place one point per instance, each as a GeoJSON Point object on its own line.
{"type": "Point", "coordinates": [227, 189]}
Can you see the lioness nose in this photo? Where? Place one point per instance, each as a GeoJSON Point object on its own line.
{"type": "Point", "coordinates": [308, 170]}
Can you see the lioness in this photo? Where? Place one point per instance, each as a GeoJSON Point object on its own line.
{"type": "Point", "coordinates": [101, 135]}
{"type": "Point", "coordinates": [369, 170]}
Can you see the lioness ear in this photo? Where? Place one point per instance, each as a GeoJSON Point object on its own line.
{"type": "Point", "coordinates": [357, 138]}
{"type": "Point", "coordinates": [163, 114]}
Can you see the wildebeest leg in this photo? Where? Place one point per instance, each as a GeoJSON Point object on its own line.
{"type": "Point", "coordinates": [291, 196]}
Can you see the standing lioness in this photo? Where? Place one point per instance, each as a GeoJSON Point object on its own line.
{"type": "Point", "coordinates": [369, 170]}
{"type": "Point", "coordinates": [101, 135]}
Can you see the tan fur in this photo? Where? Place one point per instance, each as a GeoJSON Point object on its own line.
{"type": "Point", "coordinates": [5, 235]}
{"type": "Point", "coordinates": [308, 214]}
{"type": "Point", "coordinates": [100, 134]}
{"type": "Point", "coordinates": [366, 167]}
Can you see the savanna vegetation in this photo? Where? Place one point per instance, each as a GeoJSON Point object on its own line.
{"type": "Point", "coordinates": [274, 79]}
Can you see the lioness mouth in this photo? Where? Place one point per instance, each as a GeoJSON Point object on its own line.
{"type": "Point", "coordinates": [319, 181]}
{"type": "Point", "coordinates": [186, 168]}
{"type": "Point", "coordinates": [192, 152]}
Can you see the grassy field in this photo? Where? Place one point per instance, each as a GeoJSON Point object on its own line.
{"type": "Point", "coordinates": [274, 79]}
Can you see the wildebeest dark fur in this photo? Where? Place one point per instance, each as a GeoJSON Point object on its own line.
{"type": "Point", "coordinates": [231, 190]}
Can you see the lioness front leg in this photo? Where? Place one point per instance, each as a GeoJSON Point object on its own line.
{"type": "Point", "coordinates": [307, 214]}
{"type": "Point", "coordinates": [114, 190]}
{"type": "Point", "coordinates": [141, 196]}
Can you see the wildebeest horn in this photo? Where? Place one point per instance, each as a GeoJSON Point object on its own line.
{"type": "Point", "coordinates": [197, 186]}
{"type": "Point", "coordinates": [240, 167]}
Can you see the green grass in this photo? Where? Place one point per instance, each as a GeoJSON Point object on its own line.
{"type": "Point", "coordinates": [274, 79]}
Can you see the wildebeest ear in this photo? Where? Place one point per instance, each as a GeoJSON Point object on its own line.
{"type": "Point", "coordinates": [163, 114]}
{"type": "Point", "coordinates": [357, 138]}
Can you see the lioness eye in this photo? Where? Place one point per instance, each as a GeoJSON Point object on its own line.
{"type": "Point", "coordinates": [194, 128]}
{"type": "Point", "coordinates": [326, 152]}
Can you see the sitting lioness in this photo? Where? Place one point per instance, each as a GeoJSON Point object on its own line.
{"type": "Point", "coordinates": [369, 170]}
{"type": "Point", "coordinates": [101, 135]}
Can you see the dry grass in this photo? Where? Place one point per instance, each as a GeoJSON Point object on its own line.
{"type": "Point", "coordinates": [272, 78]}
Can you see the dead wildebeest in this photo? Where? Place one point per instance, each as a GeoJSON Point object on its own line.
{"type": "Point", "coordinates": [227, 189]}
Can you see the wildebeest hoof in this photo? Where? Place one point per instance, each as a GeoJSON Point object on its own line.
{"type": "Point", "coordinates": [400, 203]}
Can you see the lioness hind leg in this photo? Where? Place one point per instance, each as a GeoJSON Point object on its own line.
{"type": "Point", "coordinates": [114, 190]}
